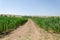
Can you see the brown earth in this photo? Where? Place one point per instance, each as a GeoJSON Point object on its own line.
{"type": "Point", "coordinates": [30, 31]}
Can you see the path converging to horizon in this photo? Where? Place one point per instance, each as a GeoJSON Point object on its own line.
{"type": "Point", "coordinates": [29, 31]}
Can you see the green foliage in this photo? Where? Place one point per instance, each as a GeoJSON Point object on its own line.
{"type": "Point", "coordinates": [48, 23]}
{"type": "Point", "coordinates": [8, 23]}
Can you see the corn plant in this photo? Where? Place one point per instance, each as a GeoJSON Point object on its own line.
{"type": "Point", "coordinates": [48, 23]}
{"type": "Point", "coordinates": [9, 23]}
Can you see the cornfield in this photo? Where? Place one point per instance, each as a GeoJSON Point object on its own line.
{"type": "Point", "coordinates": [48, 23]}
{"type": "Point", "coordinates": [8, 23]}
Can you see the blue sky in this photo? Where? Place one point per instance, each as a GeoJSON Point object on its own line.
{"type": "Point", "coordinates": [30, 7]}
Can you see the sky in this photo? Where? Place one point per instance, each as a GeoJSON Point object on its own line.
{"type": "Point", "coordinates": [30, 7]}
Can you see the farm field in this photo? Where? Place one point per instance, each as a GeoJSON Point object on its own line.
{"type": "Point", "coordinates": [51, 24]}
{"type": "Point", "coordinates": [31, 31]}
{"type": "Point", "coordinates": [29, 19]}
{"type": "Point", "coordinates": [9, 23]}
{"type": "Point", "coordinates": [29, 28]}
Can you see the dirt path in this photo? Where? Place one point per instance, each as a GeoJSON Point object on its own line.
{"type": "Point", "coordinates": [30, 31]}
